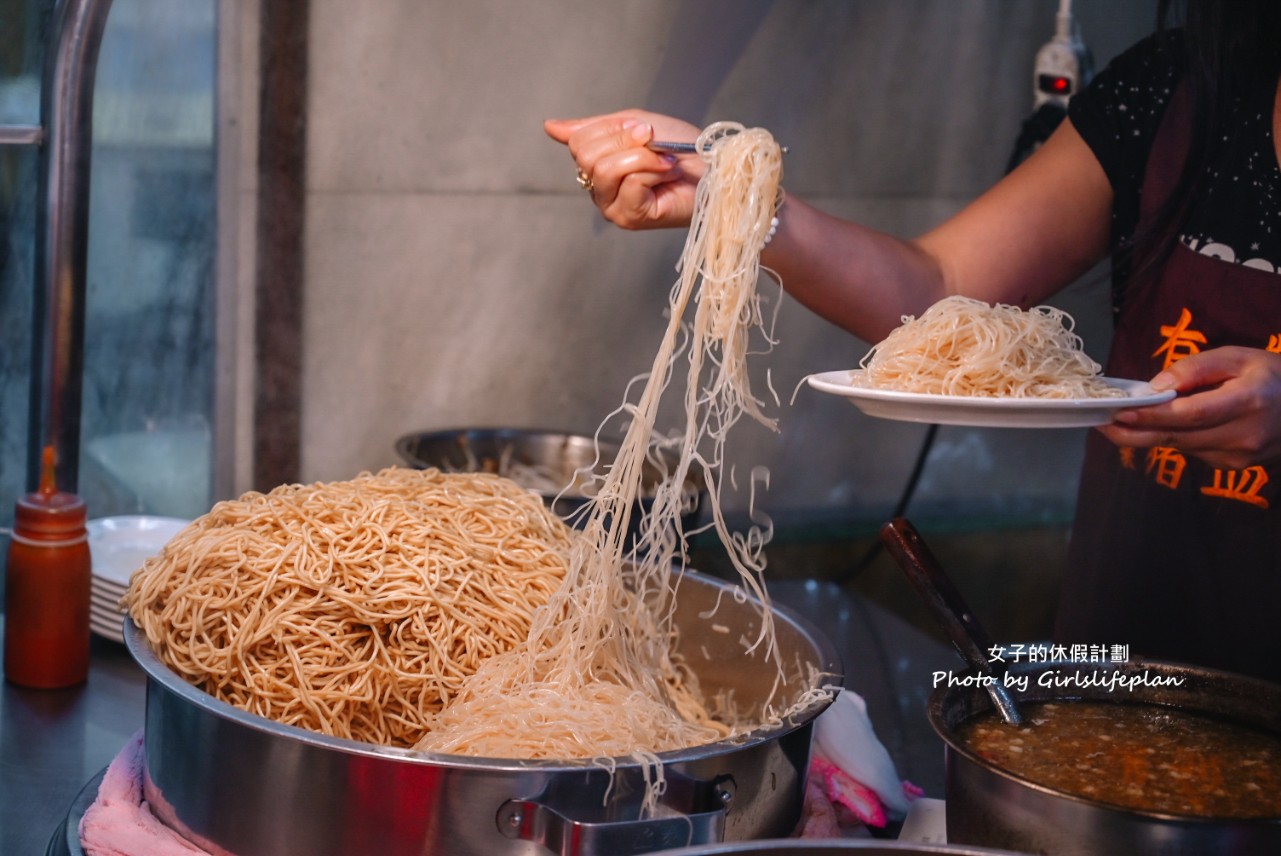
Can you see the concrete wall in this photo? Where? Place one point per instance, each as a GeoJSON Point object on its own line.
{"type": "Point", "coordinates": [457, 276]}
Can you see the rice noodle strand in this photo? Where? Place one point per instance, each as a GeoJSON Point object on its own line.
{"type": "Point", "coordinates": [965, 347]}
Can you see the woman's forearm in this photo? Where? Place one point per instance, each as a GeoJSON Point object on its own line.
{"type": "Point", "coordinates": [1036, 230]}
{"type": "Point", "coordinates": [1032, 233]}
{"type": "Point", "coordinates": [858, 278]}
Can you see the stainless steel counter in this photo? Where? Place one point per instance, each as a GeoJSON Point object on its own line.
{"type": "Point", "coordinates": [52, 743]}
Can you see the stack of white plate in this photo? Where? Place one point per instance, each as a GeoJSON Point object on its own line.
{"type": "Point", "coordinates": [118, 546]}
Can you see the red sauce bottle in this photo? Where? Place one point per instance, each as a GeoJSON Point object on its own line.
{"type": "Point", "coordinates": [46, 609]}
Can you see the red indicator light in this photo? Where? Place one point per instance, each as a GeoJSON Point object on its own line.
{"type": "Point", "coordinates": [1054, 84]}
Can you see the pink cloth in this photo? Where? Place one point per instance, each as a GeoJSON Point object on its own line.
{"type": "Point", "coordinates": [853, 801]}
{"type": "Point", "coordinates": [852, 780]}
{"type": "Point", "coordinates": [119, 823]}
{"type": "Point", "coordinates": [818, 817]}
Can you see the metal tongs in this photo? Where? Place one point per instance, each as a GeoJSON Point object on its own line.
{"type": "Point", "coordinates": [680, 148]}
{"type": "Point", "coordinates": [950, 610]}
{"type": "Point", "coordinates": [672, 148]}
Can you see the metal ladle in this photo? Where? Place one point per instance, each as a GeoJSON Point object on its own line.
{"type": "Point", "coordinates": [950, 610]}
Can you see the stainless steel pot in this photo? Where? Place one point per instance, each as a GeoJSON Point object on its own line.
{"type": "Point", "coordinates": [991, 807]}
{"type": "Point", "coordinates": [236, 783]}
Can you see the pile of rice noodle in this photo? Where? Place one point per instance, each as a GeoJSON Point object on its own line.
{"type": "Point", "coordinates": [449, 612]}
{"type": "Point", "coordinates": [966, 347]}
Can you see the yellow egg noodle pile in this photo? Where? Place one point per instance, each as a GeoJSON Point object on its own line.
{"type": "Point", "coordinates": [452, 612]}
{"type": "Point", "coordinates": [966, 347]}
{"type": "Point", "coordinates": [355, 609]}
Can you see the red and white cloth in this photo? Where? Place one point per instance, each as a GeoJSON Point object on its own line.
{"type": "Point", "coordinates": [852, 779]}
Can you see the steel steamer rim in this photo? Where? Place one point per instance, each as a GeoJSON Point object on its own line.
{"type": "Point", "coordinates": [161, 674]}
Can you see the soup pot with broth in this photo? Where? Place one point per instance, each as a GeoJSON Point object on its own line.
{"type": "Point", "coordinates": [236, 783]}
{"type": "Point", "coordinates": [1083, 792]}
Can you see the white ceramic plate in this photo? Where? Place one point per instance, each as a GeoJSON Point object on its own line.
{"type": "Point", "coordinates": [102, 584]}
{"type": "Point", "coordinates": [988, 412]}
{"type": "Point", "coordinates": [119, 545]}
{"type": "Point", "coordinates": [104, 600]}
{"type": "Point", "coordinates": [102, 607]}
{"type": "Point", "coordinates": [115, 632]}
{"type": "Point", "coordinates": [106, 590]}
{"type": "Point", "coordinates": [101, 601]}
{"type": "Point", "coordinates": [106, 622]}
{"type": "Point", "coordinates": [101, 621]}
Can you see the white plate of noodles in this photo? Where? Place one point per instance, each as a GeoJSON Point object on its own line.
{"type": "Point", "coordinates": [987, 411]}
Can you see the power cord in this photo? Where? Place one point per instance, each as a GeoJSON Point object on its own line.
{"type": "Point", "coordinates": [900, 507]}
{"type": "Point", "coordinates": [1063, 67]}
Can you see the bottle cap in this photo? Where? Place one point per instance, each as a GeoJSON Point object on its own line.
{"type": "Point", "coordinates": [49, 511]}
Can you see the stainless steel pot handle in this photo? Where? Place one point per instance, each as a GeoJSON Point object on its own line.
{"type": "Point", "coordinates": [532, 821]}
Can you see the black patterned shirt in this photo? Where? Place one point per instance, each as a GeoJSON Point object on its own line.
{"type": "Point", "coordinates": [1237, 217]}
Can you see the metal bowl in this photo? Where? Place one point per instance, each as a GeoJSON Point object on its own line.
{"type": "Point", "coordinates": [557, 457]}
{"type": "Point", "coordinates": [236, 783]}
